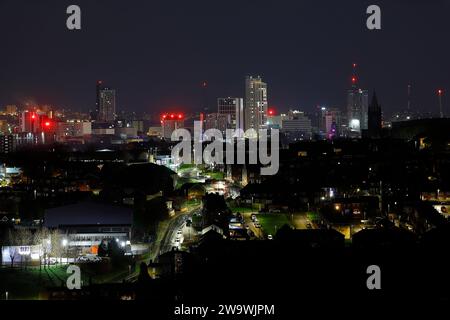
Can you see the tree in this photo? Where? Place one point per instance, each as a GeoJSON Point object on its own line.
{"type": "Point", "coordinates": [147, 214]}
{"type": "Point", "coordinates": [24, 238]}
{"type": "Point", "coordinates": [103, 249]}
{"type": "Point", "coordinates": [143, 277]}
{"type": "Point", "coordinates": [42, 238]}
{"type": "Point", "coordinates": [56, 246]}
{"type": "Point", "coordinates": [115, 251]}
{"type": "Point", "coordinates": [11, 240]}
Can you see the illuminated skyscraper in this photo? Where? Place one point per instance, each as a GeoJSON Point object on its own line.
{"type": "Point", "coordinates": [107, 105]}
{"type": "Point", "coordinates": [357, 106]}
{"type": "Point", "coordinates": [255, 110]}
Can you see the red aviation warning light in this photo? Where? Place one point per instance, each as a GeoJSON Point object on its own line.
{"type": "Point", "coordinates": [354, 79]}
{"type": "Point", "coordinates": [171, 116]}
{"type": "Point", "coordinates": [440, 92]}
{"type": "Point", "coordinates": [47, 124]}
{"type": "Point", "coordinates": [33, 116]}
{"type": "Point", "coordinates": [271, 112]}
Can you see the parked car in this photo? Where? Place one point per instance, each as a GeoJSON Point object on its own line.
{"type": "Point", "coordinates": [269, 237]}
{"type": "Point", "coordinates": [51, 260]}
{"type": "Point", "coordinates": [82, 259]}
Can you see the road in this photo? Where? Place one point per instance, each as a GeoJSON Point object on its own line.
{"type": "Point", "coordinates": [175, 224]}
{"type": "Point", "coordinates": [166, 243]}
{"type": "Point", "coordinates": [300, 221]}
{"type": "Point", "coordinates": [171, 231]}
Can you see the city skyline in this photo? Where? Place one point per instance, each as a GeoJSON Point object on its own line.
{"type": "Point", "coordinates": [224, 159]}
{"type": "Point", "coordinates": [317, 45]}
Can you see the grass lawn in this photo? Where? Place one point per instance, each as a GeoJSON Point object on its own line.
{"type": "Point", "coordinates": [272, 222]}
{"type": "Point", "coordinates": [21, 284]}
{"type": "Point", "coordinates": [25, 284]}
{"type": "Point", "coordinates": [116, 274]}
{"type": "Point", "coordinates": [181, 181]}
{"type": "Point", "coordinates": [214, 175]}
{"type": "Point", "coordinates": [313, 216]}
{"type": "Point", "coordinates": [192, 203]}
{"type": "Point", "coordinates": [185, 166]}
{"type": "Point", "coordinates": [241, 209]}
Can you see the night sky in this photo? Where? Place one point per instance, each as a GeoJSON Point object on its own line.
{"type": "Point", "coordinates": [157, 53]}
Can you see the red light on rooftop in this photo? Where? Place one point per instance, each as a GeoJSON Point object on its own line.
{"type": "Point", "coordinates": [172, 116]}
{"type": "Point", "coordinates": [353, 79]}
{"type": "Point", "coordinates": [271, 112]}
{"type": "Point", "coordinates": [180, 116]}
{"type": "Point", "coordinates": [354, 65]}
{"type": "Point", "coordinates": [33, 116]}
{"type": "Point", "coordinates": [440, 92]}
{"type": "Point", "coordinates": [47, 124]}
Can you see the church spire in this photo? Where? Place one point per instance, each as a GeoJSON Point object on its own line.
{"type": "Point", "coordinates": [374, 104]}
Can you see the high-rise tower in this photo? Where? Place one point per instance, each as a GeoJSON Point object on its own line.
{"type": "Point", "coordinates": [357, 106]}
{"type": "Point", "coordinates": [255, 103]}
{"type": "Point", "coordinates": [107, 105]}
